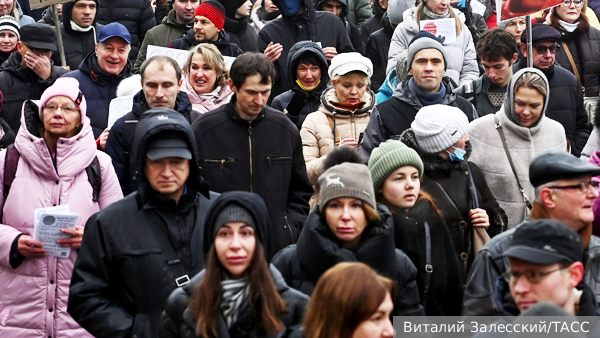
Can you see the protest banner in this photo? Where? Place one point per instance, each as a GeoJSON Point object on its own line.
{"type": "Point", "coordinates": [509, 9]}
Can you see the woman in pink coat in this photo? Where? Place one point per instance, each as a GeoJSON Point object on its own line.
{"type": "Point", "coordinates": [55, 145]}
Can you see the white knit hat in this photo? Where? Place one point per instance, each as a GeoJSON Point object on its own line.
{"type": "Point", "coordinates": [345, 63]}
{"type": "Point", "coordinates": [7, 22]}
{"type": "Point", "coordinates": [437, 127]}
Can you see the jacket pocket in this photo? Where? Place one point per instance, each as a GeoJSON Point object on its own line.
{"type": "Point", "coordinates": [219, 162]}
{"type": "Point", "coordinates": [275, 160]}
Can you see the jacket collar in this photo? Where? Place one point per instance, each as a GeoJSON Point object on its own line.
{"type": "Point", "coordinates": [329, 96]}
{"type": "Point", "coordinates": [91, 67]}
{"type": "Point", "coordinates": [235, 116]}
{"type": "Point", "coordinates": [171, 20]}
{"type": "Point", "coordinates": [403, 93]}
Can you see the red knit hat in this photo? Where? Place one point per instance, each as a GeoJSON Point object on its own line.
{"type": "Point", "coordinates": [213, 11]}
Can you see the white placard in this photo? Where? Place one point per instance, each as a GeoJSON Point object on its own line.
{"type": "Point", "coordinates": [179, 55]}
{"type": "Point", "coordinates": [119, 106]}
{"type": "Point", "coordinates": [443, 27]}
{"type": "Point", "coordinates": [478, 7]}
{"type": "Point", "coordinates": [47, 226]}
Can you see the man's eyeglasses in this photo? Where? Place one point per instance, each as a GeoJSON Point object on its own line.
{"type": "Point", "coordinates": [584, 187]}
{"type": "Point", "coordinates": [541, 49]}
{"type": "Point", "coordinates": [532, 277]}
{"type": "Point", "coordinates": [577, 3]}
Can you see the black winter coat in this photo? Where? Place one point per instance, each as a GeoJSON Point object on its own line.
{"type": "Point", "coordinates": [303, 264]}
{"type": "Point", "coordinates": [242, 34]}
{"type": "Point", "coordinates": [448, 184]}
{"type": "Point", "coordinates": [263, 156]}
{"type": "Point", "coordinates": [136, 15]}
{"type": "Point", "coordinates": [445, 286]}
{"type": "Point", "coordinates": [313, 101]}
{"type": "Point", "coordinates": [377, 49]}
{"type": "Point", "coordinates": [99, 88]}
{"type": "Point", "coordinates": [476, 92]}
{"type": "Point", "coordinates": [18, 84]}
{"type": "Point", "coordinates": [565, 104]}
{"type": "Point", "coordinates": [373, 24]}
{"type": "Point", "coordinates": [226, 47]}
{"type": "Point", "coordinates": [122, 276]}
{"type": "Point", "coordinates": [176, 320]}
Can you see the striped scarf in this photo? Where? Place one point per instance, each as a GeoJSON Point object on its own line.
{"type": "Point", "coordinates": [235, 292]}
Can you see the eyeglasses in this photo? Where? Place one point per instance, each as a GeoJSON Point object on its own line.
{"type": "Point", "coordinates": [532, 277]}
{"type": "Point", "coordinates": [68, 109]}
{"type": "Point", "coordinates": [577, 3]}
{"type": "Point", "coordinates": [541, 49]}
{"type": "Point", "coordinates": [584, 187]}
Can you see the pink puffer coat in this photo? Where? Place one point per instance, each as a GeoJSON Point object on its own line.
{"type": "Point", "coordinates": [33, 296]}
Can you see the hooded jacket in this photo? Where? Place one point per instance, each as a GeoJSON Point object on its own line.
{"type": "Point", "coordinates": [304, 263]}
{"type": "Point", "coordinates": [377, 47]}
{"type": "Point", "coordinates": [358, 12]}
{"type": "Point", "coordinates": [77, 45]}
{"type": "Point", "coordinates": [313, 102]}
{"type": "Point", "coordinates": [387, 88]}
{"type": "Point", "coordinates": [47, 17]}
{"type": "Point", "coordinates": [351, 29]}
{"type": "Point", "coordinates": [161, 35]}
{"type": "Point", "coordinates": [19, 83]}
{"type": "Point", "coordinates": [461, 65]}
{"type": "Point", "coordinates": [241, 33]}
{"type": "Point", "coordinates": [224, 45]}
{"type": "Point", "coordinates": [524, 144]}
{"type": "Point", "coordinates": [123, 276]}
{"type": "Point", "coordinates": [35, 290]}
{"type": "Point", "coordinates": [320, 27]}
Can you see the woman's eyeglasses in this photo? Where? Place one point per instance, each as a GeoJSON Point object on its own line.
{"type": "Point", "coordinates": [69, 109]}
{"type": "Point", "coordinates": [577, 3]}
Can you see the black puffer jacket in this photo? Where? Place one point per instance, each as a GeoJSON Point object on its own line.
{"type": "Point", "coordinates": [136, 15]}
{"type": "Point", "coordinates": [373, 24]}
{"type": "Point", "coordinates": [303, 264]}
{"type": "Point", "coordinates": [448, 184]}
{"type": "Point", "coordinates": [122, 277]}
{"type": "Point", "coordinates": [281, 102]}
{"type": "Point", "coordinates": [377, 48]}
{"type": "Point", "coordinates": [77, 44]}
{"type": "Point", "coordinates": [226, 47]}
{"type": "Point", "coordinates": [18, 84]}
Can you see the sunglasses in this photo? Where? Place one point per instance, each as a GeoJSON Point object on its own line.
{"type": "Point", "coordinates": [541, 49]}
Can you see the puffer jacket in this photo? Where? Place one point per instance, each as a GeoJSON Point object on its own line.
{"type": "Point", "coordinates": [302, 264]}
{"type": "Point", "coordinates": [359, 11]}
{"type": "Point", "coordinates": [99, 89]}
{"type": "Point", "coordinates": [33, 301]}
{"type": "Point", "coordinates": [372, 24]}
{"type": "Point", "coordinates": [377, 47]}
{"type": "Point", "coordinates": [461, 65]}
{"type": "Point", "coordinates": [387, 88]}
{"type": "Point", "coordinates": [317, 135]}
{"type": "Point", "coordinates": [313, 102]}
{"type": "Point", "coordinates": [23, 18]}
{"type": "Point", "coordinates": [226, 47]}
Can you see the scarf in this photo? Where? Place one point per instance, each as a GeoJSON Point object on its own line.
{"type": "Point", "coordinates": [307, 89]}
{"type": "Point", "coordinates": [76, 27]}
{"type": "Point", "coordinates": [427, 99]}
{"type": "Point", "coordinates": [569, 27]}
{"type": "Point", "coordinates": [206, 102]}
{"type": "Point", "coordinates": [429, 15]}
{"type": "Point", "coordinates": [538, 212]}
{"type": "Point", "coordinates": [263, 15]}
{"type": "Point", "coordinates": [235, 293]}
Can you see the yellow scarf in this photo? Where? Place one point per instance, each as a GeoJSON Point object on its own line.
{"type": "Point", "coordinates": [307, 89]}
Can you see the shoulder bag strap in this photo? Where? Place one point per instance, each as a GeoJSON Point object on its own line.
{"type": "Point", "coordinates": [571, 61]}
{"type": "Point", "coordinates": [428, 265]}
{"type": "Point", "coordinates": [510, 161]}
{"type": "Point", "coordinates": [160, 233]}
{"type": "Point", "coordinates": [331, 120]}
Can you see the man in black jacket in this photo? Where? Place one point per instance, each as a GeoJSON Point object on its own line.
{"type": "Point", "coordinates": [247, 146]}
{"type": "Point", "coordinates": [138, 250]}
{"type": "Point", "coordinates": [29, 71]}
{"type": "Point", "coordinates": [161, 80]}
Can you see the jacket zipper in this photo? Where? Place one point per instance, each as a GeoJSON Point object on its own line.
{"type": "Point", "coordinates": [289, 227]}
{"type": "Point", "coordinates": [280, 158]}
{"type": "Point", "coordinates": [221, 161]}
{"type": "Point", "coordinates": [251, 155]}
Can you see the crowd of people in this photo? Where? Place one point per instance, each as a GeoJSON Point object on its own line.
{"type": "Point", "coordinates": [311, 169]}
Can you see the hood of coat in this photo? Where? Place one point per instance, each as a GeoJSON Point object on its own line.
{"type": "Point", "coordinates": [329, 96]}
{"type": "Point", "coordinates": [343, 14]}
{"type": "Point", "coordinates": [377, 10]}
{"type": "Point", "coordinates": [297, 52]}
{"type": "Point", "coordinates": [509, 106]}
{"type": "Point", "coordinates": [252, 203]}
{"type": "Point", "coordinates": [47, 17]}
{"type": "Point", "coordinates": [67, 11]}
{"type": "Point", "coordinates": [152, 122]}
{"type": "Point", "coordinates": [73, 154]}
{"type": "Point", "coordinates": [91, 68]}
{"type": "Point", "coordinates": [317, 250]}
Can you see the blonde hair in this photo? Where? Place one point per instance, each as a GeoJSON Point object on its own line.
{"type": "Point", "coordinates": [212, 56]}
{"type": "Point", "coordinates": [419, 17]}
{"type": "Point", "coordinates": [347, 76]}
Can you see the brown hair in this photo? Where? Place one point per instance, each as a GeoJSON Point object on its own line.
{"type": "Point", "coordinates": [422, 196]}
{"type": "Point", "coordinates": [532, 81]}
{"type": "Point", "coordinates": [584, 22]}
{"type": "Point", "coordinates": [371, 214]}
{"type": "Point", "coordinates": [345, 296]}
{"type": "Point", "coordinates": [267, 305]}
{"type": "Point", "coordinates": [419, 17]}
{"type": "Point", "coordinates": [213, 57]}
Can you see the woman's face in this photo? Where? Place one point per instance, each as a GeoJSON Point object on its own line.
{"type": "Point", "coordinates": [309, 75]}
{"type": "Point", "coordinates": [401, 188]}
{"type": "Point", "coordinates": [529, 104]}
{"type": "Point", "coordinates": [6, 6]}
{"type": "Point", "coordinates": [568, 13]}
{"type": "Point", "coordinates": [244, 10]}
{"type": "Point", "coordinates": [202, 76]}
{"type": "Point", "coordinates": [8, 41]}
{"type": "Point", "coordinates": [346, 219]}
{"type": "Point", "coordinates": [61, 117]}
{"type": "Point", "coordinates": [379, 325]}
{"type": "Point", "coordinates": [516, 28]}
{"type": "Point", "coordinates": [350, 89]}
{"type": "Point", "coordinates": [438, 6]}
{"type": "Point", "coordinates": [235, 244]}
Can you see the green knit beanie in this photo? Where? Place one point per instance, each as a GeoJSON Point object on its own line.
{"type": "Point", "coordinates": [388, 157]}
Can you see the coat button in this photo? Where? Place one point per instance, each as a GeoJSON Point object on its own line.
{"type": "Point", "coordinates": [50, 309]}
{"type": "Point", "coordinates": [52, 281]}
{"type": "Point", "coordinates": [464, 256]}
{"type": "Point", "coordinates": [462, 225]}
{"type": "Point", "coordinates": [57, 182]}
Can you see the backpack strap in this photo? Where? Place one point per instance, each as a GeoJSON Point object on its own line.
{"type": "Point", "coordinates": [128, 132]}
{"type": "Point", "coordinates": [11, 161]}
{"type": "Point", "coordinates": [95, 178]}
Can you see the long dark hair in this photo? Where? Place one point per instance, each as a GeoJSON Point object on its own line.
{"type": "Point", "coordinates": [265, 302]}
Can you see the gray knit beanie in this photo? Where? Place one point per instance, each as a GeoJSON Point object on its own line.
{"type": "Point", "coordinates": [503, 24]}
{"type": "Point", "coordinates": [346, 180]}
{"type": "Point", "coordinates": [425, 40]}
{"type": "Point", "coordinates": [389, 157]}
{"type": "Point", "coordinates": [437, 127]}
{"type": "Point", "coordinates": [402, 66]}
{"type": "Point", "coordinates": [233, 213]}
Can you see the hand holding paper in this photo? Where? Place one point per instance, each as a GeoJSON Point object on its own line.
{"type": "Point", "coordinates": [30, 248]}
{"type": "Point", "coordinates": [73, 242]}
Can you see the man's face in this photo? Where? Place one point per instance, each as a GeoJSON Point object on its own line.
{"type": "Point", "coordinates": [499, 71]}
{"type": "Point", "coordinates": [160, 85]}
{"type": "Point", "coordinates": [112, 55]}
{"type": "Point", "coordinates": [270, 6]}
{"type": "Point", "coordinates": [24, 48]}
{"type": "Point", "coordinates": [572, 206]}
{"type": "Point", "coordinates": [83, 13]}
{"type": "Point", "coordinates": [167, 175]}
{"type": "Point", "coordinates": [251, 97]}
{"type": "Point", "coordinates": [184, 10]}
{"type": "Point", "coordinates": [545, 59]}
{"type": "Point", "coordinates": [332, 6]}
{"type": "Point", "coordinates": [204, 29]}
{"type": "Point", "coordinates": [427, 70]}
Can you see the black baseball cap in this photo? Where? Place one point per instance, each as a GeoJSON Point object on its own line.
{"type": "Point", "coordinates": [545, 242]}
{"type": "Point", "coordinates": [168, 144]}
{"type": "Point", "coordinates": [39, 36]}
{"type": "Point", "coordinates": [559, 165]}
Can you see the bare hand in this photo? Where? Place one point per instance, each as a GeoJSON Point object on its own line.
{"type": "Point", "coordinates": [103, 137]}
{"type": "Point", "coordinates": [273, 51]}
{"type": "Point", "coordinates": [330, 52]}
{"type": "Point", "coordinates": [73, 242]}
{"type": "Point", "coordinates": [350, 142]}
{"type": "Point", "coordinates": [479, 218]}
{"type": "Point", "coordinates": [39, 64]}
{"type": "Point", "coordinates": [30, 248]}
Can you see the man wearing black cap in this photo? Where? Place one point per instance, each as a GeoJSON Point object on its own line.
{"type": "Point", "coordinates": [28, 71]}
{"type": "Point", "coordinates": [565, 104]}
{"type": "Point", "coordinates": [564, 192]}
{"type": "Point", "coordinates": [141, 248]}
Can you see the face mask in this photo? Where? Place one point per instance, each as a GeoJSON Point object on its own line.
{"type": "Point", "coordinates": [289, 7]}
{"type": "Point", "coordinates": [458, 154]}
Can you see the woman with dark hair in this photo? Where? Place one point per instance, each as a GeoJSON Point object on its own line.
{"type": "Point", "coordinates": [237, 24]}
{"type": "Point", "coordinates": [419, 229]}
{"type": "Point", "coordinates": [237, 294]}
{"type": "Point", "coordinates": [348, 225]}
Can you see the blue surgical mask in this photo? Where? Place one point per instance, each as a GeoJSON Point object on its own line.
{"type": "Point", "coordinates": [458, 154]}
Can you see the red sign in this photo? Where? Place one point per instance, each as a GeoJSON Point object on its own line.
{"type": "Point", "coordinates": [514, 8]}
{"type": "Point", "coordinates": [430, 27]}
